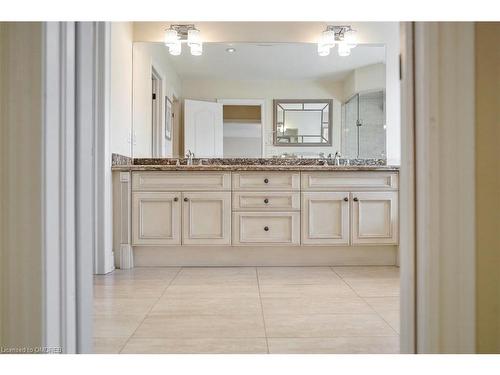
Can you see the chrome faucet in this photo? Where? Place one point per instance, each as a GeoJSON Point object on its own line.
{"type": "Point", "coordinates": [189, 157]}
{"type": "Point", "coordinates": [336, 158]}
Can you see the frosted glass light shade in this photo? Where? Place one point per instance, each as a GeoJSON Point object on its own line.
{"type": "Point", "coordinates": [344, 49]}
{"type": "Point", "coordinates": [175, 49]}
{"type": "Point", "coordinates": [323, 50]}
{"type": "Point", "coordinates": [171, 37]}
{"type": "Point", "coordinates": [194, 37]}
{"type": "Point", "coordinates": [350, 38]}
{"type": "Point", "coordinates": [196, 49]}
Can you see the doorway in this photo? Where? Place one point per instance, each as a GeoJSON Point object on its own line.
{"type": "Point", "coordinates": [243, 126]}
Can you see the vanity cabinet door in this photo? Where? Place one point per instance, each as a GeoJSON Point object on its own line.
{"type": "Point", "coordinates": [206, 218]}
{"type": "Point", "coordinates": [374, 218]}
{"type": "Point", "coordinates": [325, 218]}
{"type": "Point", "coordinates": [156, 218]}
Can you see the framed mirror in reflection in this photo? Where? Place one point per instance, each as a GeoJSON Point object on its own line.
{"type": "Point", "coordinates": [302, 122]}
{"type": "Point", "coordinates": [259, 100]}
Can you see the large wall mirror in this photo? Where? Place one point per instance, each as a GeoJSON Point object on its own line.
{"type": "Point", "coordinates": [259, 100]}
{"type": "Point", "coordinates": [302, 122]}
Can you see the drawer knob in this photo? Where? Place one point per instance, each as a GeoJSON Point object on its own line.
{"type": "Point", "coordinates": [346, 199]}
{"type": "Point", "coordinates": [176, 199]}
{"type": "Point", "coordinates": [266, 180]}
{"type": "Point", "coordinates": [266, 229]}
{"type": "Point", "coordinates": [266, 201]}
{"type": "Point", "coordinates": [186, 199]}
{"type": "Point", "coordinates": [355, 199]}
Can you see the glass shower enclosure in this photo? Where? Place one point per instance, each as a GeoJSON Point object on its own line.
{"type": "Point", "coordinates": [363, 126]}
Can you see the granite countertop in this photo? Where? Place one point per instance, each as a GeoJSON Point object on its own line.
{"type": "Point", "coordinates": [123, 163]}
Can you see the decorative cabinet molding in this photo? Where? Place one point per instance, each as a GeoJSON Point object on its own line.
{"type": "Point", "coordinates": [206, 218]}
{"type": "Point", "coordinates": [122, 214]}
{"type": "Point", "coordinates": [325, 218]}
{"type": "Point", "coordinates": [374, 218]}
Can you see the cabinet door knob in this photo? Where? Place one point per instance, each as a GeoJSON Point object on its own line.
{"type": "Point", "coordinates": [266, 229]}
{"type": "Point", "coordinates": [346, 199]}
{"type": "Point", "coordinates": [176, 199]}
{"type": "Point", "coordinates": [266, 180]}
{"type": "Point", "coordinates": [186, 199]}
{"type": "Point", "coordinates": [266, 201]}
{"type": "Point", "coordinates": [355, 199]}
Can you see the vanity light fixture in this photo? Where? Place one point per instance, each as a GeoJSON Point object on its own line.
{"type": "Point", "coordinates": [231, 50]}
{"type": "Point", "coordinates": [177, 34]}
{"type": "Point", "coordinates": [344, 36]}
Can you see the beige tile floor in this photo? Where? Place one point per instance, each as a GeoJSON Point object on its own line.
{"type": "Point", "coordinates": [247, 310]}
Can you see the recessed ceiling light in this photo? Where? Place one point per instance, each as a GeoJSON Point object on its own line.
{"type": "Point", "coordinates": [230, 50]}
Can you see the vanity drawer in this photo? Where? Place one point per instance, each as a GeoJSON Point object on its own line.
{"type": "Point", "coordinates": [274, 228]}
{"type": "Point", "coordinates": [319, 181]}
{"type": "Point", "coordinates": [180, 181]}
{"type": "Point", "coordinates": [266, 201]}
{"type": "Point", "coordinates": [266, 181]}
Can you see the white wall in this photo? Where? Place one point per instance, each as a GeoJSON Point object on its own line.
{"type": "Point", "coordinates": [269, 90]}
{"type": "Point", "coordinates": [146, 56]}
{"type": "Point", "coordinates": [366, 78]}
{"type": "Point", "coordinates": [120, 100]}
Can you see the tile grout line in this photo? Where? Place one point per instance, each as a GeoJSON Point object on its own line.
{"type": "Point", "coordinates": [262, 309]}
{"type": "Point", "coordinates": [365, 301]}
{"type": "Point", "coordinates": [149, 311]}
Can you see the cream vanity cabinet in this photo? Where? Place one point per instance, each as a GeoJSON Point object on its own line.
{"type": "Point", "coordinates": [349, 208]}
{"type": "Point", "coordinates": [174, 208]}
{"type": "Point", "coordinates": [264, 208]}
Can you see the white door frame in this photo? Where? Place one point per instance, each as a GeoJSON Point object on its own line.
{"type": "Point", "coordinates": [68, 185]}
{"type": "Point", "coordinates": [87, 126]}
{"type": "Point", "coordinates": [263, 111]}
{"type": "Point", "coordinates": [76, 164]}
{"type": "Point", "coordinates": [407, 212]}
{"type": "Point", "coordinates": [444, 190]}
{"type": "Point", "coordinates": [103, 250]}
{"type": "Point", "coordinates": [58, 186]}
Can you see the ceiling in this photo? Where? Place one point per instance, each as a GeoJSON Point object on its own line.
{"type": "Point", "coordinates": [277, 61]}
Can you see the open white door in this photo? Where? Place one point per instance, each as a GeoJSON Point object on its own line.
{"type": "Point", "coordinates": [203, 133]}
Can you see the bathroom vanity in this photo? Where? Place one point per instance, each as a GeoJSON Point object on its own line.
{"type": "Point", "coordinates": [254, 214]}
{"type": "Point", "coordinates": [261, 181]}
